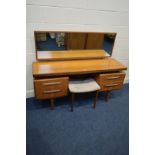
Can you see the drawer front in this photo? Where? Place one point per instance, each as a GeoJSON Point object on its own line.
{"type": "Point", "coordinates": [111, 86]}
{"type": "Point", "coordinates": [51, 88]}
{"type": "Point", "coordinates": [113, 77]}
{"type": "Point", "coordinates": [110, 81]}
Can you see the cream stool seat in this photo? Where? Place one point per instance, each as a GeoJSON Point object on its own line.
{"type": "Point", "coordinates": [83, 86]}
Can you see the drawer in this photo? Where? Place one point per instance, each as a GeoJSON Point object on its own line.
{"type": "Point", "coordinates": [110, 81]}
{"type": "Point", "coordinates": [51, 88]}
{"type": "Point", "coordinates": [111, 86]}
{"type": "Point", "coordinates": [112, 77]}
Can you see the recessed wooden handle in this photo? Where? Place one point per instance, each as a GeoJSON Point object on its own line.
{"type": "Point", "coordinates": [112, 78]}
{"type": "Point", "coordinates": [51, 91]}
{"type": "Point", "coordinates": [51, 83]}
{"type": "Point", "coordinates": [111, 85]}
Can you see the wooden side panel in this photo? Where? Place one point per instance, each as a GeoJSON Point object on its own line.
{"type": "Point", "coordinates": [94, 41]}
{"type": "Point", "coordinates": [76, 40]}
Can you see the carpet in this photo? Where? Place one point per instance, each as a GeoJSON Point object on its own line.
{"type": "Point", "coordinates": [86, 131]}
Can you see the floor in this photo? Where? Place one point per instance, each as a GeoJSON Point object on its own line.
{"type": "Point", "coordinates": [49, 44]}
{"type": "Point", "coordinates": [86, 131]}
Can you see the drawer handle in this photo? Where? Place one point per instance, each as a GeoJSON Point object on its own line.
{"type": "Point", "coordinates": [51, 91]}
{"type": "Point", "coordinates": [112, 85]}
{"type": "Point", "coordinates": [51, 83]}
{"type": "Point", "coordinates": [111, 78]}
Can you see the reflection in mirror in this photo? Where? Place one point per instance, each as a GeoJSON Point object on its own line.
{"type": "Point", "coordinates": [108, 42]}
{"type": "Point", "coordinates": [50, 41]}
{"type": "Point", "coordinates": [60, 41]}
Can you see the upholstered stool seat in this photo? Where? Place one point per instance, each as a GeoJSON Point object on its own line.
{"type": "Point", "coordinates": [83, 86]}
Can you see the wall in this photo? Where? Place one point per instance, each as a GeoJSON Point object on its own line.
{"type": "Point", "coordinates": [77, 15]}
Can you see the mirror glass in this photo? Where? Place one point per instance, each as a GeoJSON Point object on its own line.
{"type": "Point", "coordinates": [61, 41]}
{"type": "Point", "coordinates": [108, 43]}
{"type": "Point", "coordinates": [50, 41]}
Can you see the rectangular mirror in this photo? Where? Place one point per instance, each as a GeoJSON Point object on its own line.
{"type": "Point", "coordinates": [52, 44]}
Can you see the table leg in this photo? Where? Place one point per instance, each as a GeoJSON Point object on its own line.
{"type": "Point", "coordinates": [106, 97]}
{"type": "Point", "coordinates": [95, 101]}
{"type": "Point", "coordinates": [52, 104]}
{"type": "Point", "coordinates": [72, 101]}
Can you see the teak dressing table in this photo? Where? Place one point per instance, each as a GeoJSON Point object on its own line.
{"type": "Point", "coordinates": [51, 77]}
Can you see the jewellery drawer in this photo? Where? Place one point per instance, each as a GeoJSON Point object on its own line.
{"type": "Point", "coordinates": [112, 77]}
{"type": "Point", "coordinates": [51, 88]}
{"type": "Point", "coordinates": [111, 86]}
{"type": "Point", "coordinates": [110, 81]}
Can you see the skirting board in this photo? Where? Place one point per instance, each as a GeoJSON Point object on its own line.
{"type": "Point", "coordinates": [30, 93]}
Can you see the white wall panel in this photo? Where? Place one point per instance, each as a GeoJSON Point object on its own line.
{"type": "Point", "coordinates": [121, 48]}
{"type": "Point", "coordinates": [30, 57]}
{"type": "Point", "coordinates": [29, 79]}
{"type": "Point", "coordinates": [126, 63]}
{"type": "Point", "coordinates": [112, 5]}
{"type": "Point", "coordinates": [74, 16]}
{"type": "Point", "coordinates": [30, 44]}
{"type": "Point", "coordinates": [122, 31]}
{"type": "Point", "coordinates": [34, 14]}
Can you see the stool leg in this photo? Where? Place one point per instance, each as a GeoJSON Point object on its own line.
{"type": "Point", "coordinates": [72, 101]}
{"type": "Point", "coordinates": [106, 97]}
{"type": "Point", "coordinates": [95, 101]}
{"type": "Point", "coordinates": [52, 104]}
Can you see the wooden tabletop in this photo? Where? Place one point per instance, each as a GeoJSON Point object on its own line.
{"type": "Point", "coordinates": [71, 54]}
{"type": "Point", "coordinates": [73, 67]}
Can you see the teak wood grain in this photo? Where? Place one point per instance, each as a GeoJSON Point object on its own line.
{"type": "Point", "coordinates": [76, 40]}
{"type": "Point", "coordinates": [71, 54]}
{"type": "Point", "coordinates": [110, 81]}
{"type": "Point", "coordinates": [57, 68]}
{"type": "Point", "coordinates": [94, 41]}
{"type": "Point", "coordinates": [51, 88]}
{"type": "Point", "coordinates": [110, 77]}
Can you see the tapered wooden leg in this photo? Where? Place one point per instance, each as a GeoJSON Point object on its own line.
{"type": "Point", "coordinates": [106, 97]}
{"type": "Point", "coordinates": [52, 104]}
{"type": "Point", "coordinates": [95, 101]}
{"type": "Point", "coordinates": [72, 101]}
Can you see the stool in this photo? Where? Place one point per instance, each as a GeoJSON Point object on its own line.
{"type": "Point", "coordinates": [83, 86]}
